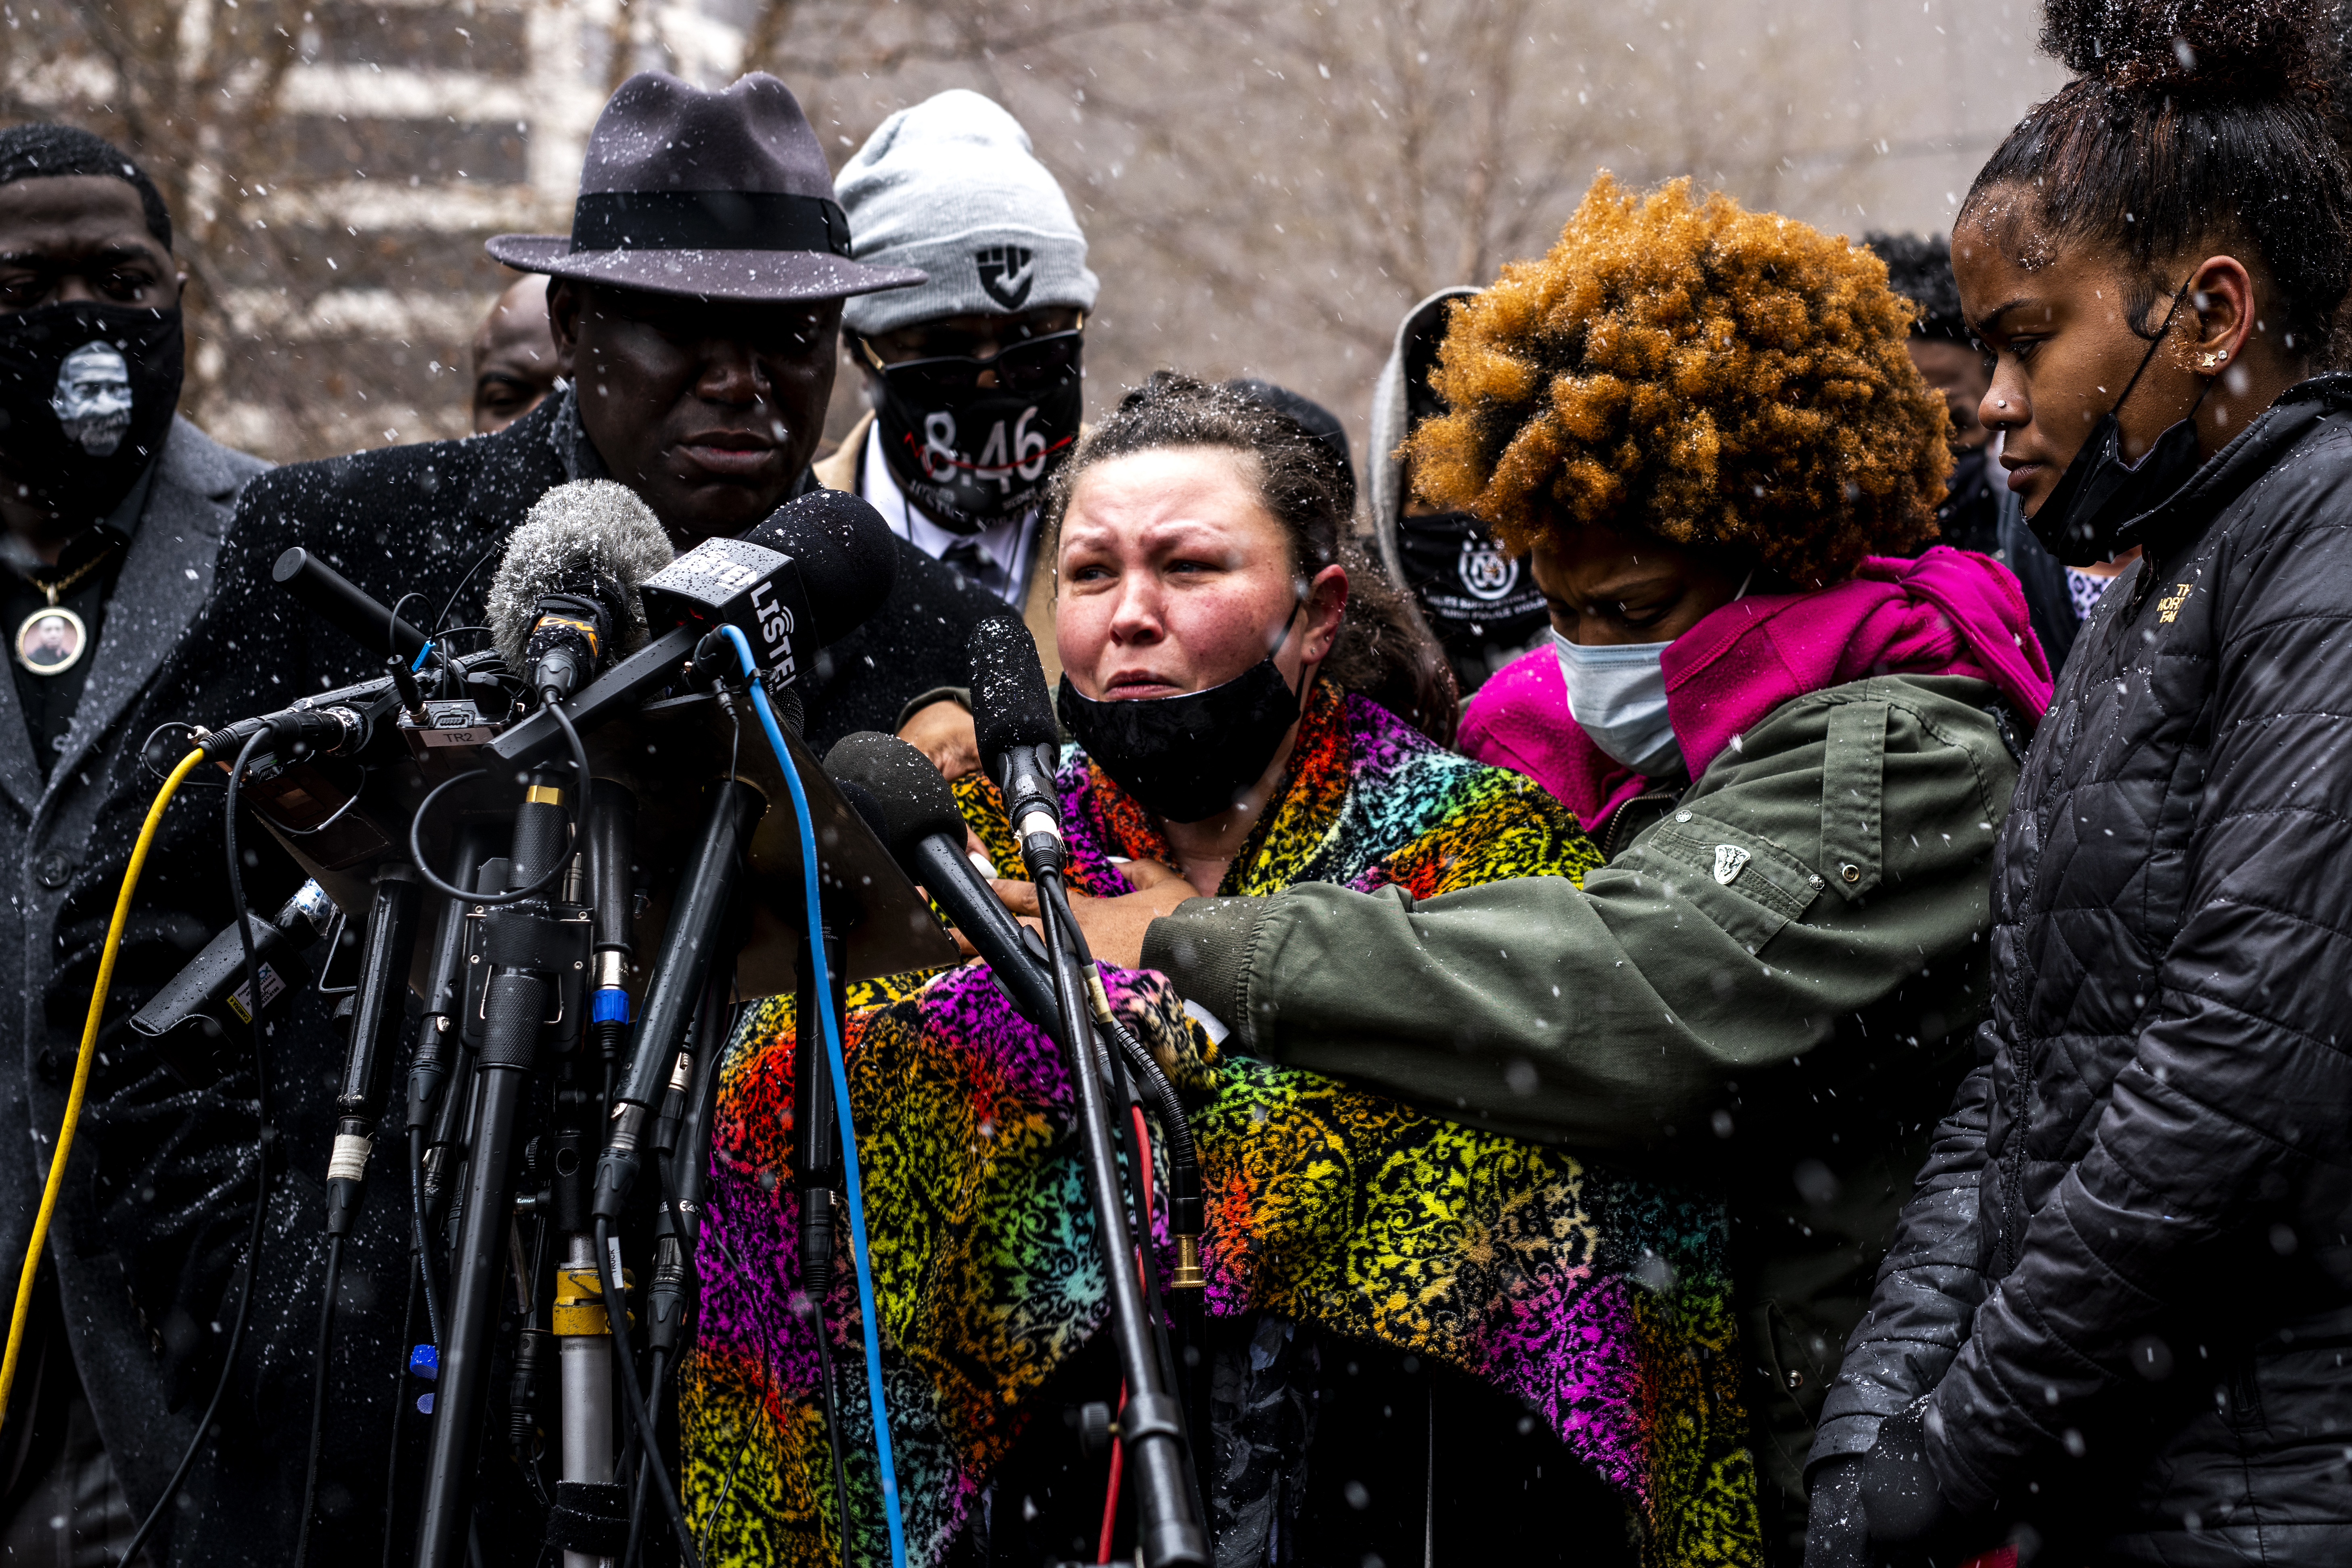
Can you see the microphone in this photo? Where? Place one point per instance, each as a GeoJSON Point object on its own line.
{"type": "Point", "coordinates": [334, 598]}
{"type": "Point", "coordinates": [564, 602]}
{"type": "Point", "coordinates": [913, 812]}
{"type": "Point", "coordinates": [815, 571]}
{"type": "Point", "coordinates": [1020, 744]}
{"type": "Point", "coordinates": [710, 868]}
{"type": "Point", "coordinates": [212, 993]}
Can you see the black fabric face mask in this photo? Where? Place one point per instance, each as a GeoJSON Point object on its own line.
{"type": "Point", "coordinates": [86, 392]}
{"type": "Point", "coordinates": [1467, 585]}
{"type": "Point", "coordinates": [985, 456]}
{"type": "Point", "coordinates": [2082, 522]}
{"type": "Point", "coordinates": [1187, 757]}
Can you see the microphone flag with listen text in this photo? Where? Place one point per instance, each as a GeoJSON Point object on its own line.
{"type": "Point", "coordinates": [815, 571]}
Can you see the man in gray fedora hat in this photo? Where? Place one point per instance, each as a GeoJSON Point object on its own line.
{"type": "Point", "coordinates": [695, 303]}
{"type": "Point", "coordinates": [695, 299]}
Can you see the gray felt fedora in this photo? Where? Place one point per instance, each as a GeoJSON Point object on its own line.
{"type": "Point", "coordinates": [720, 195]}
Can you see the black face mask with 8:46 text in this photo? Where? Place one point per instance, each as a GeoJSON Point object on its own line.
{"type": "Point", "coordinates": [981, 457]}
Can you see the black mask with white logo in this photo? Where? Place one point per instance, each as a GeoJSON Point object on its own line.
{"type": "Point", "coordinates": [1468, 586]}
{"type": "Point", "coordinates": [86, 392]}
{"type": "Point", "coordinates": [975, 459]}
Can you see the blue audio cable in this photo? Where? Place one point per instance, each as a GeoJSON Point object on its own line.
{"type": "Point", "coordinates": [822, 981]}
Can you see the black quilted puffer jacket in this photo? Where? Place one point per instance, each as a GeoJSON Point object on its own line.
{"type": "Point", "coordinates": [2125, 1273]}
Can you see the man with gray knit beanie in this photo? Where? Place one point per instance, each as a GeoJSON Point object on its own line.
{"type": "Point", "coordinates": [973, 377]}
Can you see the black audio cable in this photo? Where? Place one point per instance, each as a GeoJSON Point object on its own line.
{"type": "Point", "coordinates": [832, 1428]}
{"type": "Point", "coordinates": [640, 1420]}
{"type": "Point", "coordinates": [319, 1402]}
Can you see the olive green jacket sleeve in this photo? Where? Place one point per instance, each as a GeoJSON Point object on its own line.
{"type": "Point", "coordinates": [1835, 851]}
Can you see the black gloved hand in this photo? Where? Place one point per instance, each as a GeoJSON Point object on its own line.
{"type": "Point", "coordinates": [1900, 1500]}
{"type": "Point", "coordinates": [1837, 1531]}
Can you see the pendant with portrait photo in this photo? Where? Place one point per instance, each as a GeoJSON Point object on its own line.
{"type": "Point", "coordinates": [52, 640]}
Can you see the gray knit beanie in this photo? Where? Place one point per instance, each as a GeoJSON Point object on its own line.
{"type": "Point", "coordinates": [951, 186]}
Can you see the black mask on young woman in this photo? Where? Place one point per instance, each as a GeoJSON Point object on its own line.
{"type": "Point", "coordinates": [86, 392]}
{"type": "Point", "coordinates": [1191, 756]}
{"type": "Point", "coordinates": [981, 457]}
{"type": "Point", "coordinates": [2082, 523]}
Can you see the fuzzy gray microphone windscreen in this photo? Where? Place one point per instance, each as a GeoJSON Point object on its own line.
{"type": "Point", "coordinates": [575, 535]}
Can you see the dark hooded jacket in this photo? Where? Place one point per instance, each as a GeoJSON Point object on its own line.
{"type": "Point", "coordinates": [2126, 1274]}
{"type": "Point", "coordinates": [117, 1309]}
{"type": "Point", "coordinates": [1479, 602]}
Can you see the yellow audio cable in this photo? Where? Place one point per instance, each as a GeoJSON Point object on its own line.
{"type": "Point", "coordinates": [81, 1073]}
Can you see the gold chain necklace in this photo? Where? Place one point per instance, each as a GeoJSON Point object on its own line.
{"type": "Point", "coordinates": [52, 589]}
{"type": "Point", "coordinates": [51, 641]}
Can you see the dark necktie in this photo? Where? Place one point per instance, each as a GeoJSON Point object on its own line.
{"type": "Point", "coordinates": [967, 557]}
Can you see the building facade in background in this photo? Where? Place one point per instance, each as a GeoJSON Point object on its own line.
{"type": "Point", "coordinates": [1267, 187]}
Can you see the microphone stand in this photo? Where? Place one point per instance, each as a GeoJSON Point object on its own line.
{"type": "Point", "coordinates": [525, 946]}
{"type": "Point", "coordinates": [1167, 1530]}
{"type": "Point", "coordinates": [391, 934]}
{"type": "Point", "coordinates": [432, 1109]}
{"type": "Point", "coordinates": [375, 1024]}
{"type": "Point", "coordinates": [521, 972]}
{"type": "Point", "coordinates": [691, 940]}
{"type": "Point", "coordinates": [691, 1165]}
{"type": "Point", "coordinates": [816, 1162]}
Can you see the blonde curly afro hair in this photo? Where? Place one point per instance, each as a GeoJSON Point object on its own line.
{"type": "Point", "coordinates": [1689, 369]}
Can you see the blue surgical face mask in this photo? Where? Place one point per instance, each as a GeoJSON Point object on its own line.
{"type": "Point", "coordinates": [1617, 693]}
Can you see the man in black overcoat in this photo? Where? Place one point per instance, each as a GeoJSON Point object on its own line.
{"type": "Point", "coordinates": [113, 508]}
{"type": "Point", "coordinates": [696, 306]}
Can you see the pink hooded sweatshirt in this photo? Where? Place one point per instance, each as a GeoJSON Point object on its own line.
{"type": "Point", "coordinates": [1950, 612]}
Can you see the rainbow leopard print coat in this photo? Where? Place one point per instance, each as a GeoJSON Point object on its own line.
{"type": "Point", "coordinates": [1600, 1301]}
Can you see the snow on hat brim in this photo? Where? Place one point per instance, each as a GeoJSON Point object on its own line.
{"type": "Point", "coordinates": [746, 276]}
{"type": "Point", "coordinates": [717, 195]}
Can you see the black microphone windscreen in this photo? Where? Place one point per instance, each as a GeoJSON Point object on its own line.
{"type": "Point", "coordinates": [1010, 705]}
{"type": "Point", "coordinates": [869, 810]}
{"type": "Point", "coordinates": [573, 536]}
{"type": "Point", "coordinates": [910, 797]}
{"type": "Point", "coordinates": [845, 553]}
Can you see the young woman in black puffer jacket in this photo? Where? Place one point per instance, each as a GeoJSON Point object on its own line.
{"type": "Point", "coordinates": [2116, 1319]}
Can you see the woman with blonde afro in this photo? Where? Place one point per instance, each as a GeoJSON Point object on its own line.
{"type": "Point", "coordinates": [1794, 740]}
